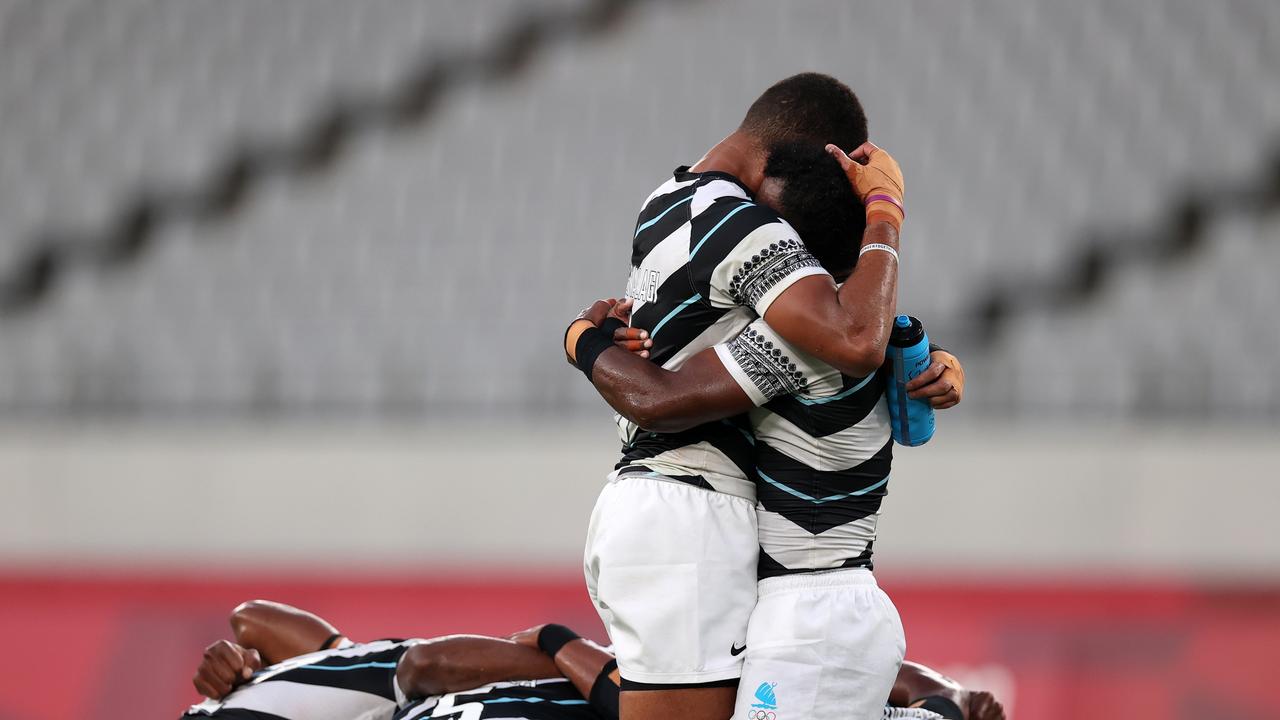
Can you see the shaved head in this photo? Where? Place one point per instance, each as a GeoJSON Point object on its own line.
{"type": "Point", "coordinates": [809, 106]}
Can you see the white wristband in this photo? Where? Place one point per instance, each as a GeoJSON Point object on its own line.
{"type": "Point", "coordinates": [878, 246]}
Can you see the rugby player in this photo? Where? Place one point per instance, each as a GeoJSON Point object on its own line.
{"type": "Point", "coordinates": [823, 452]}
{"type": "Point", "coordinates": [313, 672]}
{"type": "Point", "coordinates": [672, 547]}
{"type": "Point", "coordinates": [446, 677]}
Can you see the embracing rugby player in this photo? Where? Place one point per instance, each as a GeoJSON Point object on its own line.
{"type": "Point", "coordinates": [732, 299]}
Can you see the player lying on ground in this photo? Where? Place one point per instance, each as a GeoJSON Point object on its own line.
{"type": "Point", "coordinates": [288, 664]}
{"type": "Point", "coordinates": [545, 673]}
{"type": "Point", "coordinates": [822, 455]}
{"type": "Point", "coordinates": [706, 260]}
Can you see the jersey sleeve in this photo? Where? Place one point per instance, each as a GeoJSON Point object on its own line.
{"type": "Point", "coordinates": [761, 266]}
{"type": "Point", "coordinates": [766, 366]}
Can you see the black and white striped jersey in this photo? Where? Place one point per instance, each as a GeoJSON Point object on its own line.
{"type": "Point", "coordinates": [352, 682]}
{"type": "Point", "coordinates": [822, 454]}
{"type": "Point", "coordinates": [896, 713]}
{"type": "Point", "coordinates": [706, 260]}
{"type": "Point", "coordinates": [554, 699]}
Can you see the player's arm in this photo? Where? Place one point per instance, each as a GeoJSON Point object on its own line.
{"type": "Point", "coordinates": [265, 633]}
{"type": "Point", "coordinates": [921, 686]}
{"type": "Point", "coordinates": [848, 327]}
{"type": "Point", "coordinates": [460, 662]}
{"type": "Point", "coordinates": [592, 669]}
{"type": "Point", "coordinates": [701, 391]}
{"type": "Point", "coordinates": [224, 666]}
{"type": "Point", "coordinates": [942, 383]}
{"type": "Point", "coordinates": [280, 631]}
{"type": "Point", "coordinates": [718, 382]}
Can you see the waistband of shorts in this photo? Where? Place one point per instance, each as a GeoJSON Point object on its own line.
{"type": "Point", "coordinates": [744, 491]}
{"type": "Point", "coordinates": [840, 577]}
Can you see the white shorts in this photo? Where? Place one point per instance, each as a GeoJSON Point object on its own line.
{"type": "Point", "coordinates": [821, 646]}
{"type": "Point", "coordinates": [671, 569]}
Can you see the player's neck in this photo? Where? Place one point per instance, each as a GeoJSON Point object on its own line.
{"type": "Point", "coordinates": [739, 155]}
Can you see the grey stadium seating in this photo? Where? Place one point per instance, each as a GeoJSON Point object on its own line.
{"type": "Point", "coordinates": [429, 271]}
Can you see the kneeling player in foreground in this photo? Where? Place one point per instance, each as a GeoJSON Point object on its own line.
{"type": "Point", "coordinates": [544, 673]}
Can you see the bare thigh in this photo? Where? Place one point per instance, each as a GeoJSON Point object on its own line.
{"type": "Point", "coordinates": [713, 703]}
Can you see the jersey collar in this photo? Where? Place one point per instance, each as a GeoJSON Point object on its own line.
{"type": "Point", "coordinates": [682, 174]}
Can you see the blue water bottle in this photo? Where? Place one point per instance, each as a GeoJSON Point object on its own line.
{"type": "Point", "coordinates": [908, 355]}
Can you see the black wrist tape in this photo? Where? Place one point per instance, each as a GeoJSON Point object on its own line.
{"type": "Point", "coordinates": [604, 692]}
{"type": "Point", "coordinates": [611, 325]}
{"type": "Point", "coordinates": [329, 641]}
{"type": "Point", "coordinates": [591, 343]}
{"type": "Point", "coordinates": [943, 706]}
{"type": "Point", "coordinates": [935, 347]}
{"type": "Point", "coordinates": [553, 637]}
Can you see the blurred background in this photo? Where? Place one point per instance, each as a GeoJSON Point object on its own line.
{"type": "Point", "coordinates": [282, 286]}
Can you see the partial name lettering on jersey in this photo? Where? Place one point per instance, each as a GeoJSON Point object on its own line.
{"type": "Point", "coordinates": [642, 285]}
{"type": "Point", "coordinates": [706, 260]}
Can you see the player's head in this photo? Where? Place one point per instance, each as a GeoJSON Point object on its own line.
{"type": "Point", "coordinates": [809, 106]}
{"type": "Point", "coordinates": [807, 187]}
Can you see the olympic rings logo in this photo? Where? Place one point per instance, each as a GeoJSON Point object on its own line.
{"type": "Point", "coordinates": [762, 715]}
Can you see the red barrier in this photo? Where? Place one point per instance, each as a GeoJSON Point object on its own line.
{"type": "Point", "coordinates": [125, 647]}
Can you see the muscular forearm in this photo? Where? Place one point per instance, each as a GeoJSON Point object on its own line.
{"type": "Point", "coordinates": [869, 299]}
{"type": "Point", "coordinates": [278, 631]}
{"type": "Point", "coordinates": [664, 401]}
{"type": "Point", "coordinates": [847, 328]}
{"type": "Point", "coordinates": [584, 664]}
{"type": "Point", "coordinates": [700, 391]}
{"type": "Point", "coordinates": [460, 662]}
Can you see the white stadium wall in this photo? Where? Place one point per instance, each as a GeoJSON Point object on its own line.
{"type": "Point", "coordinates": [981, 498]}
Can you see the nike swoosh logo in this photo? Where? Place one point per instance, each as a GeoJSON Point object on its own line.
{"type": "Point", "coordinates": [735, 651]}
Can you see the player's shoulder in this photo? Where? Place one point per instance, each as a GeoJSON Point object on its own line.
{"type": "Point", "coordinates": [754, 232]}
{"type": "Point", "coordinates": [705, 187]}
{"type": "Point", "coordinates": [736, 219]}
{"type": "Point", "coordinates": [671, 185]}
{"type": "Point", "coordinates": [751, 208]}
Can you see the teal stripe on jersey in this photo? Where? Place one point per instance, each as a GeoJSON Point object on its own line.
{"type": "Point", "coordinates": [819, 501]}
{"type": "Point", "coordinates": [663, 214]}
{"type": "Point", "coordinates": [824, 400]}
{"type": "Point", "coordinates": [696, 297]}
{"type": "Point", "coordinates": [361, 666]}
{"type": "Point", "coordinates": [713, 230]}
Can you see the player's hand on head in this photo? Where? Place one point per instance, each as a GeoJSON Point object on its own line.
{"type": "Point", "coordinates": [860, 154]}
{"type": "Point", "coordinates": [942, 383]}
{"type": "Point", "coordinates": [984, 706]}
{"type": "Point", "coordinates": [871, 169]}
{"type": "Point", "coordinates": [224, 666]}
{"type": "Point", "coordinates": [876, 179]}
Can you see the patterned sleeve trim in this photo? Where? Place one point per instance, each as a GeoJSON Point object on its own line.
{"type": "Point", "coordinates": [769, 267]}
{"type": "Point", "coordinates": [765, 365]}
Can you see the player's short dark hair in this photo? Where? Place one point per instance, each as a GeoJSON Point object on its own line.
{"type": "Point", "coordinates": [818, 201]}
{"type": "Point", "coordinates": [809, 106]}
